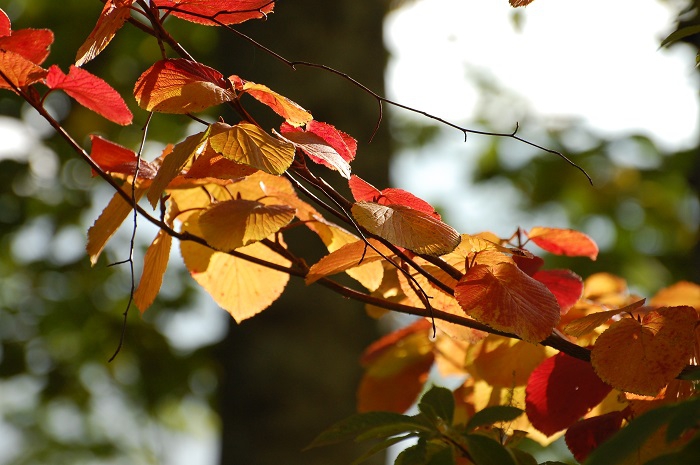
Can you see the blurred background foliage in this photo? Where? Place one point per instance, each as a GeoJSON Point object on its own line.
{"type": "Point", "coordinates": [187, 378]}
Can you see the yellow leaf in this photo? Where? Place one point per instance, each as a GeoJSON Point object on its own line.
{"type": "Point", "coordinates": [681, 293]}
{"type": "Point", "coordinates": [239, 286]}
{"type": "Point", "coordinates": [108, 222]}
{"type": "Point", "coordinates": [155, 263]}
{"type": "Point", "coordinates": [248, 144]}
{"type": "Point", "coordinates": [289, 110]}
{"type": "Point", "coordinates": [406, 227]}
{"type": "Point", "coordinates": [642, 357]}
{"type": "Point", "coordinates": [235, 223]}
{"type": "Point", "coordinates": [588, 323]}
{"type": "Point", "coordinates": [504, 362]}
{"type": "Point", "coordinates": [174, 162]}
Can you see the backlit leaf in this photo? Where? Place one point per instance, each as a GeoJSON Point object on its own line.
{"type": "Point", "coordinates": [680, 293]}
{"type": "Point", "coordinates": [287, 109]}
{"type": "Point", "coordinates": [505, 298]}
{"type": "Point", "coordinates": [108, 222]}
{"type": "Point", "coordinates": [362, 190]}
{"type": "Point", "coordinates": [318, 150]}
{"type": "Point", "coordinates": [213, 165]}
{"type": "Point", "coordinates": [174, 162]}
{"type": "Point", "coordinates": [503, 362]}
{"type": "Point", "coordinates": [333, 141]}
{"type": "Point", "coordinates": [113, 158]}
{"type": "Point", "coordinates": [155, 263]}
{"type": "Point", "coordinates": [5, 25]}
{"type": "Point", "coordinates": [112, 18]}
{"type": "Point", "coordinates": [32, 44]}
{"type": "Point", "coordinates": [181, 86]}
{"type": "Point", "coordinates": [236, 223]}
{"type": "Point", "coordinates": [239, 286]}
{"type": "Point", "coordinates": [560, 391]}
{"type": "Point", "coordinates": [584, 436]}
{"type": "Point", "coordinates": [564, 242]}
{"type": "Point", "coordinates": [588, 323]}
{"type": "Point", "coordinates": [348, 256]}
{"type": "Point", "coordinates": [406, 227]}
{"type": "Point", "coordinates": [566, 286]}
{"type": "Point", "coordinates": [642, 357]}
{"type": "Point", "coordinates": [248, 144]}
{"type": "Point", "coordinates": [224, 11]}
{"type": "Point", "coordinates": [91, 92]}
{"type": "Point", "coordinates": [20, 71]}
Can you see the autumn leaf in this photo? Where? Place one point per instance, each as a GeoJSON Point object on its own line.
{"type": "Point", "coordinates": [502, 361]}
{"type": "Point", "coordinates": [318, 150]}
{"type": "Point", "coordinates": [91, 92]}
{"type": "Point", "coordinates": [327, 144]}
{"type": "Point", "coordinates": [642, 357]}
{"type": "Point", "coordinates": [20, 71]}
{"type": "Point", "coordinates": [5, 25]}
{"type": "Point", "coordinates": [112, 18]}
{"type": "Point", "coordinates": [155, 263]}
{"type": "Point", "coordinates": [586, 435]}
{"type": "Point", "coordinates": [239, 286]}
{"type": "Point", "coordinates": [224, 11]}
{"type": "Point", "coordinates": [564, 242]}
{"type": "Point", "coordinates": [114, 158]}
{"type": "Point", "coordinates": [566, 286]}
{"type": "Point", "coordinates": [560, 391]}
{"type": "Point", "coordinates": [406, 227]}
{"type": "Point", "coordinates": [248, 144]}
{"type": "Point", "coordinates": [396, 367]}
{"type": "Point", "coordinates": [174, 163]}
{"type": "Point", "coordinates": [293, 114]}
{"type": "Point", "coordinates": [588, 323]}
{"type": "Point", "coordinates": [680, 293]}
{"type": "Point", "coordinates": [235, 223]}
{"type": "Point", "coordinates": [213, 165]}
{"type": "Point", "coordinates": [32, 44]}
{"type": "Point", "coordinates": [519, 3]}
{"type": "Point", "coordinates": [181, 86]}
{"type": "Point", "coordinates": [349, 256]}
{"type": "Point", "coordinates": [505, 298]}
{"type": "Point", "coordinates": [362, 190]}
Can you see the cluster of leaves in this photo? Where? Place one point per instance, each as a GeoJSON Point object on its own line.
{"type": "Point", "coordinates": [231, 191]}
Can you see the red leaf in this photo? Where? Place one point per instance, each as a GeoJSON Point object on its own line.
{"type": "Point", "coordinates": [564, 242]}
{"type": "Point", "coordinates": [344, 144]}
{"type": "Point", "coordinates": [566, 286]}
{"type": "Point", "coordinates": [318, 151]}
{"type": "Point", "coordinates": [20, 71]}
{"type": "Point", "coordinates": [32, 44]}
{"type": "Point", "coordinates": [505, 298]}
{"type": "Point", "coordinates": [586, 435]}
{"type": "Point", "coordinates": [113, 158]}
{"type": "Point", "coordinates": [529, 264]}
{"type": "Point", "coordinates": [112, 18]}
{"type": "Point", "coordinates": [224, 11]}
{"type": "Point", "coordinates": [560, 391]}
{"type": "Point", "coordinates": [362, 190]}
{"type": "Point", "coordinates": [181, 86]}
{"type": "Point", "coordinates": [91, 92]}
{"type": "Point", "coordinates": [5, 25]}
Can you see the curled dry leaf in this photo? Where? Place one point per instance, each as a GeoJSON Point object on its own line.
{"type": "Point", "coordinates": [248, 144]}
{"type": "Point", "coordinates": [235, 223]}
{"type": "Point", "coordinates": [114, 15]}
{"type": "Point", "coordinates": [505, 298]}
{"type": "Point", "coordinates": [564, 242]}
{"type": "Point", "coordinates": [224, 11]}
{"type": "Point", "coordinates": [642, 357]}
{"type": "Point", "coordinates": [181, 86]}
{"type": "Point", "coordinates": [406, 227]}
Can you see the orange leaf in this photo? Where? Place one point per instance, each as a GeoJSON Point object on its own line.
{"type": "Point", "coordinates": [588, 323]}
{"type": "Point", "coordinates": [32, 44]}
{"type": "Point", "coordinates": [643, 357]}
{"type": "Point", "coordinates": [518, 3]}
{"type": "Point", "coordinates": [212, 165]}
{"type": "Point", "coordinates": [224, 11]}
{"type": "Point", "coordinates": [174, 162]}
{"type": "Point", "coordinates": [91, 92]}
{"type": "Point", "coordinates": [318, 150]}
{"type": "Point", "coordinates": [406, 227]}
{"type": "Point", "coordinates": [503, 362]}
{"type": "Point", "coordinates": [20, 71]}
{"type": "Point", "coordinates": [112, 18]}
{"type": "Point", "coordinates": [236, 223]}
{"type": "Point", "coordinates": [113, 158]}
{"type": "Point", "coordinates": [287, 109]}
{"type": "Point", "coordinates": [681, 293]}
{"type": "Point", "coordinates": [248, 144]}
{"type": "Point", "coordinates": [181, 86]}
{"type": "Point", "coordinates": [239, 286]}
{"type": "Point", "coordinates": [505, 298]}
{"type": "Point", "coordinates": [564, 242]}
{"type": "Point", "coordinates": [348, 256]}
{"type": "Point", "coordinates": [155, 263]}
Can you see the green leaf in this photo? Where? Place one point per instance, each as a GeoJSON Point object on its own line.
{"type": "Point", "coordinates": [493, 414]}
{"type": "Point", "coordinates": [554, 462]}
{"type": "Point", "coordinates": [426, 453]}
{"type": "Point", "coordinates": [486, 451]}
{"type": "Point", "coordinates": [369, 425]}
{"type": "Point", "coordinates": [438, 402]}
{"type": "Point", "coordinates": [683, 419]}
{"type": "Point", "coordinates": [675, 36]}
{"type": "Point", "coordinates": [380, 447]}
{"type": "Point", "coordinates": [522, 457]}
